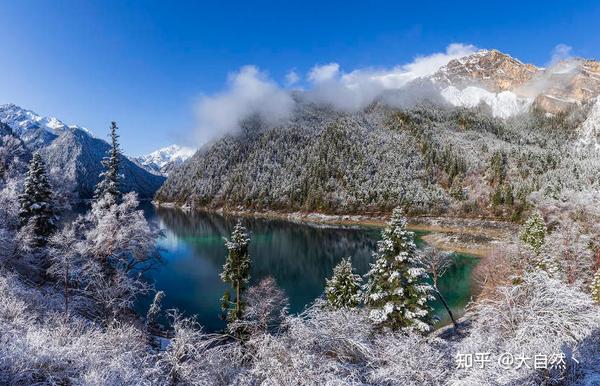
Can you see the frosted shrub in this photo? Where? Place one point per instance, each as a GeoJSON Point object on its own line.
{"type": "Point", "coordinates": [540, 316]}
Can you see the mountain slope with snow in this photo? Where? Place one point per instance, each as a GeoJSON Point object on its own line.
{"type": "Point", "coordinates": [35, 130]}
{"type": "Point", "coordinates": [590, 129]}
{"type": "Point", "coordinates": [73, 151]}
{"type": "Point", "coordinates": [561, 86]}
{"type": "Point", "coordinates": [503, 104]}
{"type": "Point", "coordinates": [165, 159]}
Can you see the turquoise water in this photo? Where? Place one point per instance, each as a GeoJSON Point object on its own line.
{"type": "Point", "coordinates": [298, 256]}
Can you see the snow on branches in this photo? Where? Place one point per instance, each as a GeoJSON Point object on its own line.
{"type": "Point", "coordinates": [396, 292]}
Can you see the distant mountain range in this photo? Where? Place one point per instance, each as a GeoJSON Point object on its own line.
{"type": "Point", "coordinates": [484, 132]}
{"type": "Point", "coordinates": [165, 160]}
{"type": "Point", "coordinates": [73, 151]}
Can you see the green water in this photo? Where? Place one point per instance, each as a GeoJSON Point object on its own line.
{"type": "Point", "coordinates": [298, 256]}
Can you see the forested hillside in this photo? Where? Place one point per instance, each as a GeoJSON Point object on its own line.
{"type": "Point", "coordinates": [429, 159]}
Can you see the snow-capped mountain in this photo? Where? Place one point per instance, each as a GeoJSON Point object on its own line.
{"type": "Point", "coordinates": [73, 151]}
{"type": "Point", "coordinates": [509, 86]}
{"type": "Point", "coordinates": [35, 130]}
{"type": "Point", "coordinates": [164, 160]}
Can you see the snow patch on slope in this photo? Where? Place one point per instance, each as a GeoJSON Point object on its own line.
{"type": "Point", "coordinates": [590, 129]}
{"type": "Point", "coordinates": [504, 104]}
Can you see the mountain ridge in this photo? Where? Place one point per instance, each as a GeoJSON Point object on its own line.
{"type": "Point", "coordinates": [73, 152]}
{"type": "Point", "coordinates": [554, 89]}
{"type": "Point", "coordinates": [164, 160]}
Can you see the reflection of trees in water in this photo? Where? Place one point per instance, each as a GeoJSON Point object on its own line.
{"type": "Point", "coordinates": [456, 284]}
{"type": "Point", "coordinates": [298, 256]}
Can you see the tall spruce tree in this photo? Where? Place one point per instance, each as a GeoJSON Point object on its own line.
{"type": "Point", "coordinates": [36, 208]}
{"type": "Point", "coordinates": [343, 289]}
{"type": "Point", "coordinates": [396, 291]}
{"type": "Point", "coordinates": [236, 272]}
{"type": "Point", "coordinates": [533, 233]}
{"type": "Point", "coordinates": [109, 178]}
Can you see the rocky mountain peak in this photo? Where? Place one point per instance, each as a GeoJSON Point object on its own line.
{"type": "Point", "coordinates": [491, 69]}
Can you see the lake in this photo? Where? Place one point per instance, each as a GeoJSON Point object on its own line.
{"type": "Point", "coordinates": [298, 256]}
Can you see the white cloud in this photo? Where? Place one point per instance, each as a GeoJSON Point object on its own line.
{"type": "Point", "coordinates": [291, 78]}
{"type": "Point", "coordinates": [358, 88]}
{"type": "Point", "coordinates": [249, 92]}
{"type": "Point", "coordinates": [561, 52]}
{"type": "Point", "coordinates": [324, 73]}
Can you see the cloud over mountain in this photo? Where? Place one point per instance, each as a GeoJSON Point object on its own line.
{"type": "Point", "coordinates": [251, 91]}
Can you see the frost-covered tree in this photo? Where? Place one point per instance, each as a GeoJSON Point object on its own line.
{"type": "Point", "coordinates": [396, 291]}
{"type": "Point", "coordinates": [154, 309]}
{"type": "Point", "coordinates": [109, 178]}
{"type": "Point", "coordinates": [64, 258]}
{"type": "Point", "coordinates": [596, 287]}
{"type": "Point", "coordinates": [343, 289]}
{"type": "Point", "coordinates": [533, 233]}
{"type": "Point", "coordinates": [437, 263]}
{"type": "Point", "coordinates": [118, 236]}
{"type": "Point", "coordinates": [36, 207]}
{"type": "Point", "coordinates": [266, 309]}
{"type": "Point", "coordinates": [236, 272]}
{"type": "Point", "coordinates": [119, 245]}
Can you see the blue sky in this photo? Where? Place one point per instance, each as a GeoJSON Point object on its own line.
{"type": "Point", "coordinates": [148, 64]}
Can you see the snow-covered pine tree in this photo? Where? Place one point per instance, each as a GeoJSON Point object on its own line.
{"type": "Point", "coordinates": [596, 287]}
{"type": "Point", "coordinates": [533, 233]}
{"type": "Point", "coordinates": [343, 289]}
{"type": "Point", "coordinates": [36, 207]}
{"type": "Point", "coordinates": [236, 271]}
{"type": "Point", "coordinates": [109, 178]}
{"type": "Point", "coordinates": [64, 254]}
{"type": "Point", "coordinates": [396, 291]}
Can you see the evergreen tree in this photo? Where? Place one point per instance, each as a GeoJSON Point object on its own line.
{"type": "Point", "coordinates": [509, 197]}
{"type": "Point", "coordinates": [497, 198]}
{"type": "Point", "coordinates": [36, 207]}
{"type": "Point", "coordinates": [109, 178]}
{"type": "Point", "coordinates": [343, 289]}
{"type": "Point", "coordinates": [396, 291]}
{"type": "Point", "coordinates": [236, 271]}
{"type": "Point", "coordinates": [533, 233]}
{"type": "Point", "coordinates": [596, 287]}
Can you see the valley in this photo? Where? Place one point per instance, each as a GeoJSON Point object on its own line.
{"type": "Point", "coordinates": [318, 236]}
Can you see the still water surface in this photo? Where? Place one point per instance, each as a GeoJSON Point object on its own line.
{"type": "Point", "coordinates": [298, 256]}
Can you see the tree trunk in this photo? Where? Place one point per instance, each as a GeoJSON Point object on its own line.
{"type": "Point", "coordinates": [447, 308]}
{"type": "Point", "coordinates": [67, 293]}
{"type": "Point", "coordinates": [237, 301]}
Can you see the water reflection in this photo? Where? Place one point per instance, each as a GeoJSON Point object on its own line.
{"type": "Point", "coordinates": [298, 256]}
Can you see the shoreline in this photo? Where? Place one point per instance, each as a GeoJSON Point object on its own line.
{"type": "Point", "coordinates": [472, 236]}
